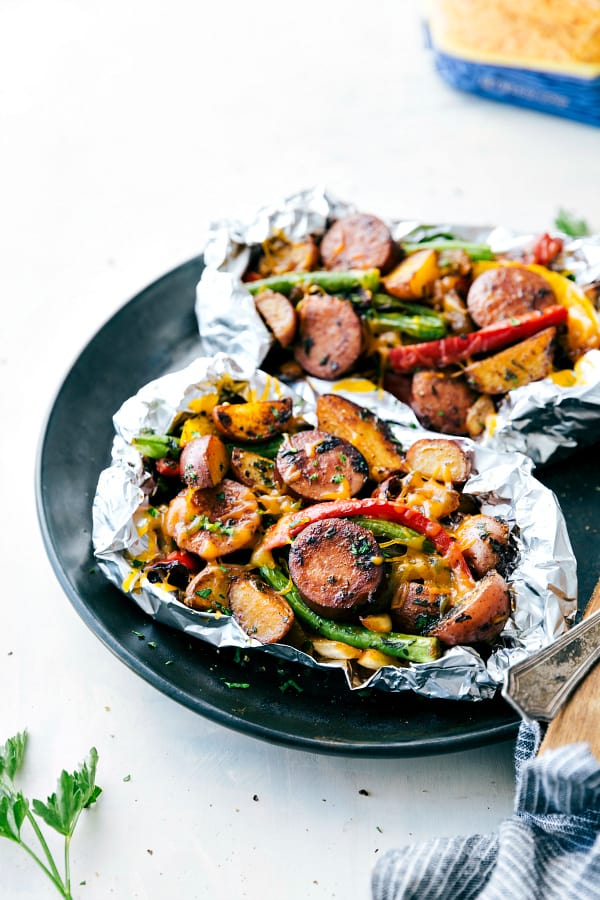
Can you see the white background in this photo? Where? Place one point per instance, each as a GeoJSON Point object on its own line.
{"type": "Point", "coordinates": [125, 127]}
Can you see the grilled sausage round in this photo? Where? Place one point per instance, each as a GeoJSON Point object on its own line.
{"type": "Point", "coordinates": [337, 567]}
{"type": "Point", "coordinates": [215, 521]}
{"type": "Point", "coordinates": [330, 336]}
{"type": "Point", "coordinates": [358, 241]}
{"type": "Point", "coordinates": [506, 292]}
{"type": "Point", "coordinates": [441, 403]}
{"type": "Point", "coordinates": [316, 465]}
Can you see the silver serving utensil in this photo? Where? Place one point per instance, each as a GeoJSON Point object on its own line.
{"type": "Point", "coordinates": [539, 686]}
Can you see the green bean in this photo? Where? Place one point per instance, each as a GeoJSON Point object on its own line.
{"type": "Point", "coordinates": [405, 646]}
{"type": "Point", "coordinates": [333, 282]}
{"type": "Point", "coordinates": [394, 532]}
{"type": "Point", "coordinates": [423, 327]}
{"type": "Point", "coordinates": [475, 251]}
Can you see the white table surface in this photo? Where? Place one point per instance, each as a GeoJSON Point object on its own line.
{"type": "Point", "coordinates": [125, 127]}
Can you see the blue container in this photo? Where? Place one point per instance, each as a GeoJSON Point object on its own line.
{"type": "Point", "coordinates": [554, 90]}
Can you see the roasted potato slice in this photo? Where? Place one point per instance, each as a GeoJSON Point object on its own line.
{"type": "Point", "coordinates": [256, 471]}
{"type": "Point", "coordinates": [204, 461]}
{"type": "Point", "coordinates": [483, 541]}
{"type": "Point", "coordinates": [209, 589]}
{"type": "Point", "coordinates": [478, 413]}
{"type": "Point", "coordinates": [530, 360]}
{"type": "Point", "coordinates": [365, 431]}
{"type": "Point", "coordinates": [259, 610]}
{"type": "Point", "coordinates": [439, 458]}
{"type": "Point", "coordinates": [479, 616]}
{"type": "Point", "coordinates": [281, 255]}
{"type": "Point", "coordinates": [279, 315]}
{"type": "Point", "coordinates": [256, 420]}
{"type": "Point", "coordinates": [414, 277]}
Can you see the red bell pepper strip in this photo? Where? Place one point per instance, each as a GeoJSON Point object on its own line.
{"type": "Point", "coordinates": [170, 468]}
{"type": "Point", "coordinates": [291, 524]}
{"type": "Point", "coordinates": [545, 250]}
{"type": "Point", "coordinates": [179, 556]}
{"type": "Point", "coordinates": [441, 353]}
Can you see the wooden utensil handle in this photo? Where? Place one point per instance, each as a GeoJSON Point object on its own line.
{"type": "Point", "coordinates": [579, 719]}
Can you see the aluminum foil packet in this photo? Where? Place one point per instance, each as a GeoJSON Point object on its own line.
{"type": "Point", "coordinates": [543, 581]}
{"type": "Point", "coordinates": [544, 420]}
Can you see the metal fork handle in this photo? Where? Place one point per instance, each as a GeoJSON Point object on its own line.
{"type": "Point", "coordinates": [538, 686]}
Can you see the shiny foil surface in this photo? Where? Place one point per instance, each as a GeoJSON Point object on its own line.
{"type": "Point", "coordinates": [543, 420]}
{"type": "Point", "coordinates": [543, 582]}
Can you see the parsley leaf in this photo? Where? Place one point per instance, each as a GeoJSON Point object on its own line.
{"type": "Point", "coordinates": [567, 222]}
{"type": "Point", "coordinates": [74, 793]}
{"type": "Point", "coordinates": [12, 815]}
{"type": "Point", "coordinates": [12, 754]}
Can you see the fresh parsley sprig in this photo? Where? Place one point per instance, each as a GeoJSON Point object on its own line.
{"type": "Point", "coordinates": [75, 792]}
{"type": "Point", "coordinates": [568, 223]}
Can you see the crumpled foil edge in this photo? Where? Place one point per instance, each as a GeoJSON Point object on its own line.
{"type": "Point", "coordinates": [544, 580]}
{"type": "Point", "coordinates": [543, 420]}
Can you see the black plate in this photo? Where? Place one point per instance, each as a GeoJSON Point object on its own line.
{"type": "Point", "coordinates": [286, 704]}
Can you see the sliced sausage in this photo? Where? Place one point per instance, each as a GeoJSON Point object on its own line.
{"type": "Point", "coordinates": [506, 292]}
{"type": "Point", "coordinates": [279, 314]}
{"type": "Point", "coordinates": [215, 521]}
{"type": "Point", "coordinates": [316, 465]}
{"type": "Point", "coordinates": [330, 336]}
{"type": "Point", "coordinates": [441, 403]}
{"type": "Point", "coordinates": [483, 541]}
{"type": "Point", "coordinates": [479, 616]}
{"type": "Point", "coordinates": [337, 567]}
{"type": "Point", "coordinates": [415, 607]}
{"type": "Point", "coordinates": [259, 610]}
{"type": "Point", "coordinates": [358, 241]}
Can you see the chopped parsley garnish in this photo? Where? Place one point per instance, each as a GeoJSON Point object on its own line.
{"type": "Point", "coordinates": [290, 683]}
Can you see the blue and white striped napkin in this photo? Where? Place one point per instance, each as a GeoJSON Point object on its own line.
{"type": "Point", "coordinates": [548, 850]}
